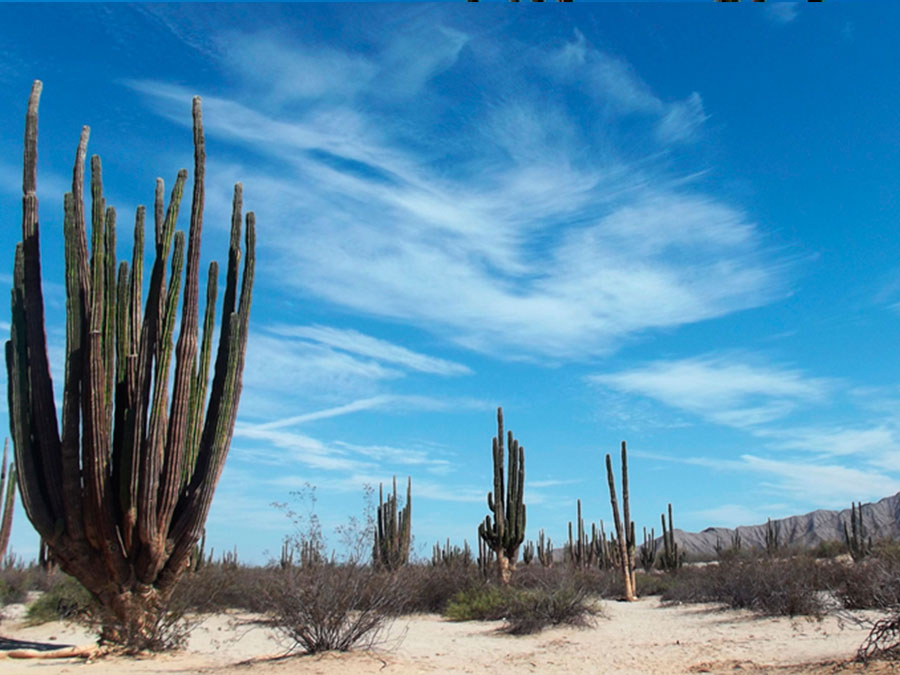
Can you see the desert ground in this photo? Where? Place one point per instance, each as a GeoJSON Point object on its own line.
{"type": "Point", "coordinates": [640, 637]}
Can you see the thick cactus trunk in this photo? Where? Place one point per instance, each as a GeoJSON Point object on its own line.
{"type": "Point", "coordinates": [121, 494]}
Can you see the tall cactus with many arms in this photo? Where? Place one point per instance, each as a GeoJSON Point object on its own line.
{"type": "Point", "coordinates": [121, 495]}
{"type": "Point", "coordinates": [506, 533]}
{"type": "Point", "coordinates": [392, 529]}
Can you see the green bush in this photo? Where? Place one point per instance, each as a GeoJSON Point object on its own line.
{"type": "Point", "coordinates": [533, 610]}
{"type": "Point", "coordinates": [484, 603]}
{"type": "Point", "coordinates": [65, 599]}
{"type": "Point", "coordinates": [525, 610]}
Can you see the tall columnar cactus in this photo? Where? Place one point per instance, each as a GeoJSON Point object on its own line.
{"type": "Point", "coordinates": [772, 532]}
{"type": "Point", "coordinates": [648, 550]}
{"type": "Point", "coordinates": [671, 558]}
{"type": "Point", "coordinates": [858, 543]}
{"type": "Point", "coordinates": [392, 529]}
{"type": "Point", "coordinates": [8, 497]}
{"type": "Point", "coordinates": [121, 493]}
{"type": "Point", "coordinates": [507, 531]}
{"type": "Point", "coordinates": [582, 553]}
{"type": "Point", "coordinates": [545, 550]}
{"type": "Point", "coordinates": [624, 530]}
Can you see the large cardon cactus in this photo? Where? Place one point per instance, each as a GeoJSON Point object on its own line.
{"type": "Point", "coordinates": [120, 487]}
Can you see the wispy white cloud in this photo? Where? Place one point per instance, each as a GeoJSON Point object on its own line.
{"type": "Point", "coordinates": [826, 484]}
{"type": "Point", "coordinates": [613, 82]}
{"type": "Point", "coordinates": [381, 402]}
{"type": "Point", "coordinates": [516, 232]}
{"type": "Point", "coordinates": [727, 389]}
{"type": "Point", "coordinates": [364, 345]}
{"type": "Point", "coordinates": [782, 12]}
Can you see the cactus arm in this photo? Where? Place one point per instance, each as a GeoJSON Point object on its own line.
{"type": "Point", "coordinates": [186, 349]}
{"type": "Point", "coordinates": [36, 365]}
{"type": "Point", "coordinates": [8, 495]}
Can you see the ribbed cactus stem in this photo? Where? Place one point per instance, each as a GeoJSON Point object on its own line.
{"type": "Point", "coordinates": [506, 532]}
{"type": "Point", "coordinates": [624, 558]}
{"type": "Point", "coordinates": [671, 558]}
{"type": "Point", "coordinates": [392, 529]}
{"type": "Point", "coordinates": [121, 493]}
{"type": "Point", "coordinates": [8, 497]}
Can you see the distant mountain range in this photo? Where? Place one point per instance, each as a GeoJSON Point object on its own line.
{"type": "Point", "coordinates": [881, 520]}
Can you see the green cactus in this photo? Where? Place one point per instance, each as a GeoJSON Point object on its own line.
{"type": "Point", "coordinates": [451, 556]}
{"type": "Point", "coordinates": [648, 550]}
{"type": "Point", "coordinates": [581, 552]}
{"type": "Point", "coordinates": [772, 536]}
{"type": "Point", "coordinates": [121, 485]}
{"type": "Point", "coordinates": [506, 533]}
{"type": "Point", "coordinates": [624, 530]}
{"type": "Point", "coordinates": [528, 552]}
{"type": "Point", "coordinates": [671, 558]}
{"type": "Point", "coordinates": [545, 550]}
{"type": "Point", "coordinates": [858, 543]}
{"type": "Point", "coordinates": [8, 497]}
{"type": "Point", "coordinates": [392, 530]}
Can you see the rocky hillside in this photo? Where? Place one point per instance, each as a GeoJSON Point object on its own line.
{"type": "Point", "coordinates": [881, 520]}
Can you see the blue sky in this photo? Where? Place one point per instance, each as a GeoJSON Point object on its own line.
{"type": "Point", "coordinates": [672, 225]}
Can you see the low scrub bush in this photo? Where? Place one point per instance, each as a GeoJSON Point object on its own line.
{"type": "Point", "coordinates": [330, 606]}
{"type": "Point", "coordinates": [484, 603]}
{"type": "Point", "coordinates": [531, 611]}
{"type": "Point", "coordinates": [524, 610]}
{"type": "Point", "coordinates": [429, 588]}
{"type": "Point", "coordinates": [64, 600]}
{"type": "Point", "coordinates": [774, 587]}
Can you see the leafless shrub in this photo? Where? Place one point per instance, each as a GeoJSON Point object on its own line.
{"type": "Point", "coordinates": [774, 587]}
{"type": "Point", "coordinates": [429, 588]}
{"type": "Point", "coordinates": [883, 641]}
{"type": "Point", "coordinates": [332, 606]}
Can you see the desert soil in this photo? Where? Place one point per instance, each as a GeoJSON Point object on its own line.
{"type": "Point", "coordinates": [640, 637]}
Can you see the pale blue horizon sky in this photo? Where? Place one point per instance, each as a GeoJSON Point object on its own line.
{"type": "Point", "coordinates": [672, 225]}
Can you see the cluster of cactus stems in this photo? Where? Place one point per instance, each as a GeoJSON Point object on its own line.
{"type": "Point", "coordinates": [624, 525]}
{"type": "Point", "coordinates": [392, 529]}
{"type": "Point", "coordinates": [671, 558]}
{"type": "Point", "coordinates": [859, 544]}
{"type": "Point", "coordinates": [582, 552]}
{"type": "Point", "coordinates": [648, 550]}
{"type": "Point", "coordinates": [486, 560]}
{"type": "Point", "coordinates": [7, 498]}
{"type": "Point", "coordinates": [451, 555]}
{"type": "Point", "coordinates": [505, 534]}
{"type": "Point", "coordinates": [545, 550]}
{"type": "Point", "coordinates": [121, 493]}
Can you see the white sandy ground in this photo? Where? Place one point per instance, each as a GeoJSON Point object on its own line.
{"type": "Point", "coordinates": [640, 637]}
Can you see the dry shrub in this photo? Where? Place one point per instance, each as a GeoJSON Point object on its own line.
{"type": "Point", "coordinates": [536, 599]}
{"type": "Point", "coordinates": [429, 588]}
{"type": "Point", "coordinates": [530, 611]}
{"type": "Point", "coordinates": [883, 641]}
{"type": "Point", "coordinates": [772, 587]}
{"type": "Point", "coordinates": [867, 584]}
{"type": "Point", "coordinates": [331, 606]}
